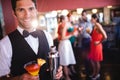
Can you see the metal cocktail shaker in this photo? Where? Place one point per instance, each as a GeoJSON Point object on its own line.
{"type": "Point", "coordinates": [53, 61]}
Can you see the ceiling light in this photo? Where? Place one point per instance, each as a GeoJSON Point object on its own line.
{"type": "Point", "coordinates": [79, 10]}
{"type": "Point", "coordinates": [94, 10]}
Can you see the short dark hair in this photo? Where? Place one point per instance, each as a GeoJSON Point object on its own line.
{"type": "Point", "coordinates": [95, 16]}
{"type": "Point", "coordinates": [84, 11]}
{"type": "Point", "coordinates": [69, 14]}
{"type": "Point", "coordinates": [62, 17]}
{"type": "Point", "coordinates": [13, 3]}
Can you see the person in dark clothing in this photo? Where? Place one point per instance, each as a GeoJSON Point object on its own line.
{"type": "Point", "coordinates": [83, 40]}
{"type": "Point", "coordinates": [1, 33]}
{"type": "Point", "coordinates": [117, 35]}
{"type": "Point", "coordinates": [25, 44]}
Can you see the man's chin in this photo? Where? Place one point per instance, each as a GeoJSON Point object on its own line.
{"type": "Point", "coordinates": [27, 26]}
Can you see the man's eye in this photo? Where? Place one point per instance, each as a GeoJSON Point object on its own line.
{"type": "Point", "coordinates": [31, 8]}
{"type": "Point", "coordinates": [20, 9]}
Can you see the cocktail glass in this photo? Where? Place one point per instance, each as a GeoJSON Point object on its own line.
{"type": "Point", "coordinates": [32, 67]}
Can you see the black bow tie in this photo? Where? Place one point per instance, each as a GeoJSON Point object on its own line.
{"type": "Point", "coordinates": [26, 33]}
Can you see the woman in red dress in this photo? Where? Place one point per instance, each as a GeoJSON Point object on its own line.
{"type": "Point", "coordinates": [95, 55]}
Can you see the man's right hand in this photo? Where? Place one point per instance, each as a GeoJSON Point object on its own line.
{"type": "Point", "coordinates": [27, 76]}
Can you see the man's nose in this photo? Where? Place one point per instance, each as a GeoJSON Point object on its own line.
{"type": "Point", "coordinates": [27, 13]}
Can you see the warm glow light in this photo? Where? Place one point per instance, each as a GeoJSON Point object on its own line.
{"type": "Point", "coordinates": [109, 6]}
{"type": "Point", "coordinates": [94, 10]}
{"type": "Point", "coordinates": [79, 10]}
{"type": "Point", "coordinates": [64, 12]}
{"type": "Point", "coordinates": [59, 11]}
{"type": "Point", "coordinates": [51, 14]}
{"type": "Point", "coordinates": [54, 13]}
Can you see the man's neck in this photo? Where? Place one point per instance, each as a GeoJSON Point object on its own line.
{"type": "Point", "coordinates": [28, 29]}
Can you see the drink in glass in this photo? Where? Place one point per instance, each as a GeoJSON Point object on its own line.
{"type": "Point", "coordinates": [88, 30]}
{"type": "Point", "coordinates": [32, 68]}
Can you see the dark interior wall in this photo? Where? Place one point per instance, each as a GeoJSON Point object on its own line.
{"type": "Point", "coordinates": [48, 5]}
{"type": "Point", "coordinates": [10, 23]}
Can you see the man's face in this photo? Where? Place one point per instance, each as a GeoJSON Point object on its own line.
{"type": "Point", "coordinates": [84, 16]}
{"type": "Point", "coordinates": [26, 13]}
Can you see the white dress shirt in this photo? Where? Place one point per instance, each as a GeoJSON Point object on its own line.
{"type": "Point", "coordinates": [6, 50]}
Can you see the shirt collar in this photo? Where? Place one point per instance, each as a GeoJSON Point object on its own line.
{"type": "Point", "coordinates": [21, 30]}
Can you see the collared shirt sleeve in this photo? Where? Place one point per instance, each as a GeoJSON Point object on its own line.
{"type": "Point", "coordinates": [6, 53]}
{"type": "Point", "coordinates": [89, 24]}
{"type": "Point", "coordinates": [5, 56]}
{"type": "Point", "coordinates": [49, 38]}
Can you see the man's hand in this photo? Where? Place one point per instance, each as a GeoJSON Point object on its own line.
{"type": "Point", "coordinates": [59, 73]}
{"type": "Point", "coordinates": [27, 76]}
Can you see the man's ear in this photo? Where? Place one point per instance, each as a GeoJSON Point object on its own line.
{"type": "Point", "coordinates": [13, 13]}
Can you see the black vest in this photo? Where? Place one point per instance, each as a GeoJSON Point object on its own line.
{"type": "Point", "coordinates": [23, 53]}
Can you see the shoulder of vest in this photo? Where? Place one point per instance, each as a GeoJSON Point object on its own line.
{"type": "Point", "coordinates": [13, 32]}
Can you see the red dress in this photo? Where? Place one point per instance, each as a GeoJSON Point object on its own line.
{"type": "Point", "coordinates": [60, 28]}
{"type": "Point", "coordinates": [96, 50]}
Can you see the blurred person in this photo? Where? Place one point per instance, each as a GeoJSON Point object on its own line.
{"type": "Point", "coordinates": [71, 28]}
{"type": "Point", "coordinates": [18, 48]}
{"type": "Point", "coordinates": [117, 35]}
{"type": "Point", "coordinates": [84, 36]}
{"type": "Point", "coordinates": [83, 41]}
{"type": "Point", "coordinates": [70, 23]}
{"type": "Point", "coordinates": [96, 55]}
{"type": "Point", "coordinates": [65, 48]}
{"type": "Point", "coordinates": [1, 31]}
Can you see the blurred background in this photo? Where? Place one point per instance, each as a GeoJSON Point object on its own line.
{"type": "Point", "coordinates": [49, 12]}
